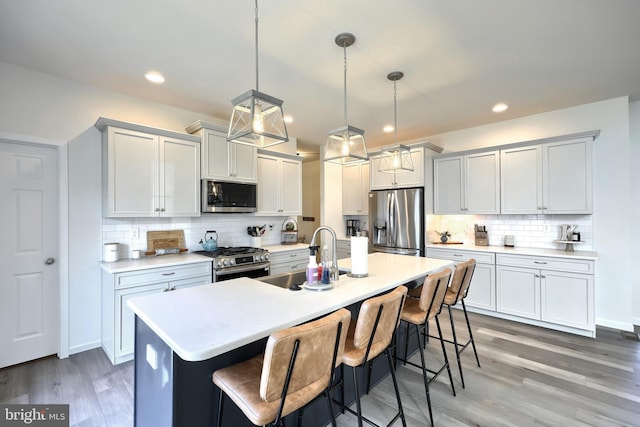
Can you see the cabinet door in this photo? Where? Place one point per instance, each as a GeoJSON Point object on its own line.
{"type": "Point", "coordinates": [567, 177]}
{"type": "Point", "coordinates": [482, 183]}
{"type": "Point", "coordinates": [481, 290]}
{"type": "Point", "coordinates": [268, 186]}
{"type": "Point", "coordinates": [243, 163]}
{"type": "Point", "coordinates": [215, 155]}
{"type": "Point", "coordinates": [132, 173]}
{"type": "Point", "coordinates": [179, 178]}
{"type": "Point", "coordinates": [380, 180]}
{"type": "Point", "coordinates": [567, 299]}
{"type": "Point", "coordinates": [125, 319]}
{"type": "Point", "coordinates": [355, 189]}
{"type": "Point", "coordinates": [414, 178]}
{"type": "Point", "coordinates": [290, 187]}
{"type": "Point", "coordinates": [448, 184]}
{"type": "Point", "coordinates": [521, 180]}
{"type": "Point", "coordinates": [518, 291]}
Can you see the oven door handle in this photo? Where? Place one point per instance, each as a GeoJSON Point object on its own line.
{"type": "Point", "coordinates": [241, 269]}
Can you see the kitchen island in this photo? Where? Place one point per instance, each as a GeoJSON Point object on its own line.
{"type": "Point", "coordinates": [183, 336]}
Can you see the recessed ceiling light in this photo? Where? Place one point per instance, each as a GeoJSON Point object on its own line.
{"type": "Point", "coordinates": [387, 129]}
{"type": "Point", "coordinates": [500, 107]}
{"type": "Point", "coordinates": [288, 119]}
{"type": "Point", "coordinates": [154, 77]}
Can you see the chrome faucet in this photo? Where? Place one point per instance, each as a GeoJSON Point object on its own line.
{"type": "Point", "coordinates": [335, 271]}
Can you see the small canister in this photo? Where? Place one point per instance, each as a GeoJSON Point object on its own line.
{"type": "Point", "coordinates": [110, 252]}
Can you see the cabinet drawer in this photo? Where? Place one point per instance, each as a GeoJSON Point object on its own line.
{"type": "Point", "coordinates": [462, 255]}
{"type": "Point", "coordinates": [162, 274]}
{"type": "Point", "coordinates": [547, 263]}
{"type": "Point", "coordinates": [289, 256]}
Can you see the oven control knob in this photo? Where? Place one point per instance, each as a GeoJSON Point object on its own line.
{"type": "Point", "coordinates": [219, 264]}
{"type": "Point", "coordinates": [225, 262]}
{"type": "Point", "coordinates": [266, 257]}
{"type": "Point", "coordinates": [232, 262]}
{"type": "Point", "coordinates": [259, 258]}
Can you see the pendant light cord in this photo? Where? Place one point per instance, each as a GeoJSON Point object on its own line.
{"type": "Point", "coordinates": [395, 114]}
{"type": "Point", "coordinates": [257, 88]}
{"type": "Point", "coordinates": [346, 121]}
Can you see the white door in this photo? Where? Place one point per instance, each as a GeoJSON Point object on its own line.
{"type": "Point", "coordinates": [28, 250]}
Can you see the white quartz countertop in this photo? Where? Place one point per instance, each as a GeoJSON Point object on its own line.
{"type": "Point", "coordinates": [556, 253]}
{"type": "Point", "coordinates": [202, 322]}
{"type": "Point", "coordinates": [152, 262]}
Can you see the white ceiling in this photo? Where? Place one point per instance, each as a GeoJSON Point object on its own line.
{"type": "Point", "coordinates": [459, 56]}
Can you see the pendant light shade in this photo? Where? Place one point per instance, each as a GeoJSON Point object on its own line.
{"type": "Point", "coordinates": [257, 118]}
{"type": "Point", "coordinates": [345, 144]}
{"type": "Point", "coordinates": [396, 157]}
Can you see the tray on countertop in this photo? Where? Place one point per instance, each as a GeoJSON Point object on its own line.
{"type": "Point", "coordinates": [165, 239]}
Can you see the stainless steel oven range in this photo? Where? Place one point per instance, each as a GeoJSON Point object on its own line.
{"type": "Point", "coordinates": [233, 262]}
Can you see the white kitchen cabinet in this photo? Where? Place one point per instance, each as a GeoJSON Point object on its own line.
{"type": "Point", "coordinates": [344, 249]}
{"type": "Point", "coordinates": [553, 290]}
{"type": "Point", "coordinates": [355, 189]}
{"type": "Point", "coordinates": [385, 180]}
{"type": "Point", "coordinates": [467, 184]}
{"type": "Point", "coordinates": [222, 160]}
{"type": "Point", "coordinates": [149, 172]}
{"type": "Point", "coordinates": [552, 178]}
{"type": "Point", "coordinates": [481, 292]}
{"type": "Point", "coordinates": [117, 334]}
{"type": "Point", "coordinates": [279, 185]}
{"type": "Point", "coordinates": [286, 261]}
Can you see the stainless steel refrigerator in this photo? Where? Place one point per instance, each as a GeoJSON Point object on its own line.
{"type": "Point", "coordinates": [397, 221]}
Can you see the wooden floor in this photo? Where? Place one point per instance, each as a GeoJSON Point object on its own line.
{"type": "Point", "coordinates": [529, 377]}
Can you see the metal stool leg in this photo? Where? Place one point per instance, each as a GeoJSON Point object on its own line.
{"type": "Point", "coordinates": [473, 343]}
{"type": "Point", "coordinates": [446, 359]}
{"type": "Point", "coordinates": [424, 374]}
{"type": "Point", "coordinates": [355, 386]}
{"type": "Point", "coordinates": [455, 344]}
{"type": "Point", "coordinates": [395, 387]}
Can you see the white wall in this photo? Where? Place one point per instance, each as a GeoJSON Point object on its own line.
{"type": "Point", "coordinates": [613, 216]}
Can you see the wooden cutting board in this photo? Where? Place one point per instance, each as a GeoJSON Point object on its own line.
{"type": "Point", "coordinates": [165, 239]}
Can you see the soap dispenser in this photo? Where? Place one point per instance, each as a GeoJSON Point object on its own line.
{"type": "Point", "coordinates": [312, 267]}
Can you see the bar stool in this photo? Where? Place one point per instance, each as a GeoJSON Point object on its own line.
{"type": "Point", "coordinates": [297, 367]}
{"type": "Point", "coordinates": [371, 335]}
{"type": "Point", "coordinates": [456, 293]}
{"type": "Point", "coordinates": [418, 312]}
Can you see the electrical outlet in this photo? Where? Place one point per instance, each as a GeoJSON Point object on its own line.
{"type": "Point", "coordinates": [135, 233]}
{"type": "Point", "coordinates": [546, 228]}
{"type": "Point", "coordinates": [270, 227]}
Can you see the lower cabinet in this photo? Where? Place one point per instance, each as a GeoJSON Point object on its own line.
{"type": "Point", "coordinates": [554, 290]}
{"type": "Point", "coordinates": [118, 320]}
{"type": "Point", "coordinates": [481, 292]}
{"type": "Point", "coordinates": [286, 261]}
{"type": "Point", "coordinates": [344, 249]}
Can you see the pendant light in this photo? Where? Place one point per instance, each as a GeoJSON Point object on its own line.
{"type": "Point", "coordinates": [257, 118]}
{"type": "Point", "coordinates": [345, 144]}
{"type": "Point", "coordinates": [396, 157]}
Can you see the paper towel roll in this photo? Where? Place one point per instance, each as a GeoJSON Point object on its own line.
{"type": "Point", "coordinates": [359, 256]}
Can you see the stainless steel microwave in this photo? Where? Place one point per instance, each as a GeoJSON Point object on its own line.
{"type": "Point", "coordinates": [234, 197]}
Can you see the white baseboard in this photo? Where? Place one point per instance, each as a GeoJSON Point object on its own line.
{"type": "Point", "coordinates": [84, 347]}
{"type": "Point", "coordinates": [615, 325]}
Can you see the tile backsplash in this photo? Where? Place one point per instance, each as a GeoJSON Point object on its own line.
{"type": "Point", "coordinates": [231, 230]}
{"type": "Point", "coordinates": [532, 231]}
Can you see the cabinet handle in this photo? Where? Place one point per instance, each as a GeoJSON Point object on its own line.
{"type": "Point", "coordinates": [458, 255]}
{"type": "Point", "coordinates": [539, 262]}
{"type": "Point", "coordinates": [162, 210]}
{"type": "Point", "coordinates": [537, 275]}
{"type": "Point", "coordinates": [157, 209]}
{"type": "Point", "coordinates": [165, 290]}
{"type": "Point", "coordinates": [543, 276]}
{"type": "Point", "coordinates": [169, 274]}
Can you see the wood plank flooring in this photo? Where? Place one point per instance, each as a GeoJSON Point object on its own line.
{"type": "Point", "coordinates": [530, 376]}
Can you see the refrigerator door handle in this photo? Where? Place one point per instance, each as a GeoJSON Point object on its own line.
{"type": "Point", "coordinates": [391, 236]}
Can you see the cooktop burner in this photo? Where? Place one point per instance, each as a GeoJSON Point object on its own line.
{"type": "Point", "coordinates": [230, 251]}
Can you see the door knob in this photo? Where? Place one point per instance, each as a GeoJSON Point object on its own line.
{"type": "Point", "coordinates": [49, 261]}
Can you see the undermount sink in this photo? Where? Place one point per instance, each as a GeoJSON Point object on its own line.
{"type": "Point", "coordinates": [290, 279]}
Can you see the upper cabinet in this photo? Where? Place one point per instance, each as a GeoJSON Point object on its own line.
{"type": "Point", "coordinates": [551, 178]}
{"type": "Point", "coordinates": [149, 172]}
{"type": "Point", "coordinates": [385, 180]}
{"type": "Point", "coordinates": [222, 160]}
{"type": "Point", "coordinates": [355, 189]}
{"type": "Point", "coordinates": [279, 185]}
{"type": "Point", "coordinates": [467, 184]}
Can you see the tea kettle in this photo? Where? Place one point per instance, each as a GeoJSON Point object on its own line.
{"type": "Point", "coordinates": [211, 244]}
